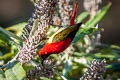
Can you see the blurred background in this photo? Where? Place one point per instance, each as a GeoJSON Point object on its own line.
{"type": "Point", "coordinates": [16, 11]}
{"type": "Point", "coordinates": [13, 12]}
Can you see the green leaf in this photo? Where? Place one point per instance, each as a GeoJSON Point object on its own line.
{"type": "Point", "coordinates": [9, 37]}
{"type": "Point", "coordinates": [81, 17]}
{"type": "Point", "coordinates": [67, 67]}
{"type": "Point", "coordinates": [35, 27]}
{"type": "Point", "coordinates": [34, 1]}
{"type": "Point", "coordinates": [8, 34]}
{"type": "Point", "coordinates": [4, 37]}
{"type": "Point", "coordinates": [109, 56]}
{"type": "Point", "coordinates": [44, 78]}
{"type": "Point", "coordinates": [1, 75]}
{"type": "Point", "coordinates": [10, 75]}
{"type": "Point", "coordinates": [6, 56]}
{"type": "Point", "coordinates": [17, 27]}
{"type": "Point", "coordinates": [82, 32]}
{"type": "Point", "coordinates": [15, 73]}
{"type": "Point", "coordinates": [91, 23]}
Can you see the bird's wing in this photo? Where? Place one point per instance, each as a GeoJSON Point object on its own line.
{"type": "Point", "coordinates": [61, 34]}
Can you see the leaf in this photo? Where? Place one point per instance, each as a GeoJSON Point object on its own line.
{"type": "Point", "coordinates": [15, 73]}
{"type": "Point", "coordinates": [35, 27]}
{"type": "Point", "coordinates": [67, 67]}
{"type": "Point", "coordinates": [113, 66]}
{"type": "Point", "coordinates": [1, 75]}
{"type": "Point", "coordinates": [109, 56]}
{"type": "Point", "coordinates": [81, 17]}
{"type": "Point", "coordinates": [44, 78]}
{"type": "Point", "coordinates": [82, 32]}
{"type": "Point", "coordinates": [91, 23]}
{"type": "Point", "coordinates": [17, 27]}
{"type": "Point", "coordinates": [6, 56]}
{"type": "Point", "coordinates": [34, 1]}
{"type": "Point", "coordinates": [88, 57]}
{"type": "Point", "coordinates": [3, 37]}
{"type": "Point", "coordinates": [10, 75]}
{"type": "Point", "coordinates": [8, 34]}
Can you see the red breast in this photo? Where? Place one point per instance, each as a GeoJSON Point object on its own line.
{"type": "Point", "coordinates": [54, 48]}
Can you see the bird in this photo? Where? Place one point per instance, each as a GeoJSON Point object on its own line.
{"type": "Point", "coordinates": [60, 40]}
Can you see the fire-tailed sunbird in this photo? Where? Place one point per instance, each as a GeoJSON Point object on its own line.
{"type": "Point", "coordinates": [59, 41]}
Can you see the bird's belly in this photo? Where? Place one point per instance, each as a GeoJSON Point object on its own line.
{"type": "Point", "coordinates": [54, 48]}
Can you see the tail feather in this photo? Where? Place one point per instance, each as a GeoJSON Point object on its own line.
{"type": "Point", "coordinates": [73, 14]}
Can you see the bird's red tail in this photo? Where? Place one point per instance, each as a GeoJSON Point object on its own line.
{"type": "Point", "coordinates": [73, 14]}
